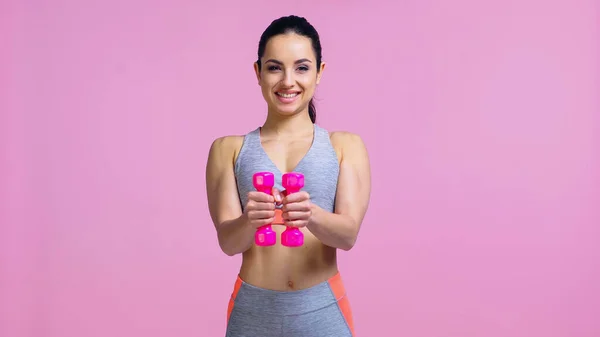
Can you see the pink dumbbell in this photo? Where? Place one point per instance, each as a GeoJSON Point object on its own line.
{"type": "Point", "coordinates": [264, 182]}
{"type": "Point", "coordinates": [292, 236]}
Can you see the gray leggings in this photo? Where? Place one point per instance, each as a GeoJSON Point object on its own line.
{"type": "Point", "coordinates": [320, 311]}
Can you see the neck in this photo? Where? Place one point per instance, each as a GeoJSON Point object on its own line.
{"type": "Point", "coordinates": [297, 124]}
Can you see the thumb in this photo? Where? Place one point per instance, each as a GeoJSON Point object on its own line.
{"type": "Point", "coordinates": [277, 195]}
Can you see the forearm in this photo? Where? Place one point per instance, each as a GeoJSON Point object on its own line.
{"type": "Point", "coordinates": [334, 230]}
{"type": "Point", "coordinates": [235, 236]}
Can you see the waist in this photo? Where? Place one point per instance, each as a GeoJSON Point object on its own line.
{"type": "Point", "coordinates": [289, 269]}
{"type": "Point", "coordinates": [273, 302]}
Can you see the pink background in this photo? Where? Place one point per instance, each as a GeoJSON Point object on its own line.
{"type": "Point", "coordinates": [481, 118]}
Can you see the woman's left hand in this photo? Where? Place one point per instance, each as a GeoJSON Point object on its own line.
{"type": "Point", "coordinates": [297, 209]}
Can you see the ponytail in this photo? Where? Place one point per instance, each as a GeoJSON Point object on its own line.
{"type": "Point", "coordinates": [312, 111]}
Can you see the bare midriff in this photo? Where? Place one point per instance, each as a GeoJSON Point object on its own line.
{"type": "Point", "coordinates": [284, 268]}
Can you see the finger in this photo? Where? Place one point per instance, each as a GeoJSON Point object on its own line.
{"type": "Point", "coordinates": [262, 222]}
{"type": "Point", "coordinates": [260, 206]}
{"type": "Point", "coordinates": [297, 197]}
{"type": "Point", "coordinates": [303, 206]}
{"type": "Point", "coordinates": [292, 216]}
{"type": "Point", "coordinates": [260, 215]}
{"type": "Point", "coordinates": [277, 195]}
{"type": "Point", "coordinates": [296, 223]}
{"type": "Point", "coordinates": [260, 196]}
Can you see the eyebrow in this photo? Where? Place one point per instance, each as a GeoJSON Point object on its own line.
{"type": "Point", "coordinates": [281, 63]}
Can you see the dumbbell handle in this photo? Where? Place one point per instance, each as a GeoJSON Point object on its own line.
{"type": "Point", "coordinates": [264, 236]}
{"type": "Point", "coordinates": [292, 236]}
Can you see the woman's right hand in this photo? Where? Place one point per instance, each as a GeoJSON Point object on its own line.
{"type": "Point", "coordinates": [260, 208]}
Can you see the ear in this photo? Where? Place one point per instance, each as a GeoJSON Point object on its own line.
{"type": "Point", "coordinates": [320, 73]}
{"type": "Point", "coordinates": [257, 72]}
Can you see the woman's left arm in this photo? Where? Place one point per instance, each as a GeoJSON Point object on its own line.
{"type": "Point", "coordinates": [340, 228]}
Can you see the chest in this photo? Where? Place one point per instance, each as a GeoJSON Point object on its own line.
{"type": "Point", "coordinates": [287, 155]}
{"type": "Point", "coordinates": [317, 159]}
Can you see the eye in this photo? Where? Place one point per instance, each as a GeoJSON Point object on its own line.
{"type": "Point", "coordinates": [273, 68]}
{"type": "Point", "coordinates": [303, 68]}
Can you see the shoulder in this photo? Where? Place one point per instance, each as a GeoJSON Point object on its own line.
{"type": "Point", "coordinates": [345, 138]}
{"type": "Point", "coordinates": [346, 143]}
{"type": "Point", "coordinates": [226, 148]}
{"type": "Point", "coordinates": [227, 142]}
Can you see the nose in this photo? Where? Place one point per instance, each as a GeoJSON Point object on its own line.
{"type": "Point", "coordinates": [288, 79]}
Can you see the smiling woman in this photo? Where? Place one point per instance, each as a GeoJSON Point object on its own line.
{"type": "Point", "coordinates": [285, 291]}
{"type": "Point", "coordinates": [292, 41]}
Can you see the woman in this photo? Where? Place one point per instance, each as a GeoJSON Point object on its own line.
{"type": "Point", "coordinates": [284, 291]}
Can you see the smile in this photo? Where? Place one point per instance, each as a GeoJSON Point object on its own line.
{"type": "Point", "coordinates": [287, 95]}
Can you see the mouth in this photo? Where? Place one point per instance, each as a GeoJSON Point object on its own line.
{"type": "Point", "coordinates": [287, 97]}
{"type": "Point", "coordinates": [287, 94]}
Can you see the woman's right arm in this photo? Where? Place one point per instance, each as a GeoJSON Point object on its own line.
{"type": "Point", "coordinates": [233, 229]}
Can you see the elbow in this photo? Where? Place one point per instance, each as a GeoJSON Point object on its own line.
{"type": "Point", "coordinates": [229, 253]}
{"type": "Point", "coordinates": [228, 250]}
{"type": "Point", "coordinates": [226, 247]}
{"type": "Point", "coordinates": [231, 248]}
{"type": "Point", "coordinates": [348, 244]}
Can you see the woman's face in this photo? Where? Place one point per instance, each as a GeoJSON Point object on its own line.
{"type": "Point", "coordinates": [289, 74]}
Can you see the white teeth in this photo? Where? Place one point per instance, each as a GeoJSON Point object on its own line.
{"type": "Point", "coordinates": [287, 95]}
